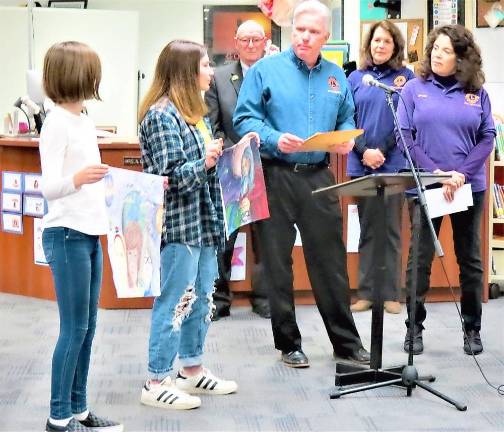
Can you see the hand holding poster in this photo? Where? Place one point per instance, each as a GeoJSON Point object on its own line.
{"type": "Point", "coordinates": [242, 182]}
{"type": "Point", "coordinates": [135, 208]}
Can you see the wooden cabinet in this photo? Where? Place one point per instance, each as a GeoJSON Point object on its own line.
{"type": "Point", "coordinates": [19, 274]}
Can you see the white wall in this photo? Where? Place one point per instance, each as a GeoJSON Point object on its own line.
{"type": "Point", "coordinates": [13, 57]}
{"type": "Point", "coordinates": [114, 35]}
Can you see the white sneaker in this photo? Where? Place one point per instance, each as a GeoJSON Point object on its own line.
{"type": "Point", "coordinates": [205, 382]}
{"type": "Point", "coordinates": [167, 395]}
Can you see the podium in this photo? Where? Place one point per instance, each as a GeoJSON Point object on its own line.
{"type": "Point", "coordinates": [382, 186]}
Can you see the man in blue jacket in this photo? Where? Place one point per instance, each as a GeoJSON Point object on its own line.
{"type": "Point", "coordinates": [285, 99]}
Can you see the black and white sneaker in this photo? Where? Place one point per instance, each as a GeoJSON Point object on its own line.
{"type": "Point", "coordinates": [205, 382]}
{"type": "Point", "coordinates": [167, 395]}
{"type": "Point", "coordinates": [96, 423]}
{"type": "Point", "coordinates": [72, 426]}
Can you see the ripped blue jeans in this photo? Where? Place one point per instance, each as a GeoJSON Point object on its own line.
{"type": "Point", "coordinates": [182, 312]}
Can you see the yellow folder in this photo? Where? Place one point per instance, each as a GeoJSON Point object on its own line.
{"type": "Point", "coordinates": [327, 141]}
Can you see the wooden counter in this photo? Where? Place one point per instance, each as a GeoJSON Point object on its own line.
{"type": "Point", "coordinates": [19, 274]}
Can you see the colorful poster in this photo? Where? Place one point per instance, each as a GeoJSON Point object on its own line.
{"type": "Point", "coordinates": [242, 182]}
{"type": "Point", "coordinates": [239, 259]}
{"type": "Point", "coordinates": [135, 210]}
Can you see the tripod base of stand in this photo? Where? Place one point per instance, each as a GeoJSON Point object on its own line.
{"type": "Point", "coordinates": [403, 376]}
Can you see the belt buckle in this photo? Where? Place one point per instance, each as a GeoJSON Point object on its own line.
{"type": "Point", "coordinates": [299, 167]}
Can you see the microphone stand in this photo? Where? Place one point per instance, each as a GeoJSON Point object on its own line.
{"type": "Point", "coordinates": [405, 376]}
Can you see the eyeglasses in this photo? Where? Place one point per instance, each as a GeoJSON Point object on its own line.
{"type": "Point", "coordinates": [246, 41]}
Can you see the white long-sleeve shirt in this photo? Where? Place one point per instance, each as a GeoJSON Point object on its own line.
{"type": "Point", "coordinates": [67, 145]}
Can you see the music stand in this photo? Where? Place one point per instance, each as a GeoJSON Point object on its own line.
{"type": "Point", "coordinates": [382, 186]}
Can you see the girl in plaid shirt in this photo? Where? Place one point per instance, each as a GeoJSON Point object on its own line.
{"type": "Point", "coordinates": [176, 142]}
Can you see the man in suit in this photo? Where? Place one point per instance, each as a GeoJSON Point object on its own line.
{"type": "Point", "coordinates": [250, 43]}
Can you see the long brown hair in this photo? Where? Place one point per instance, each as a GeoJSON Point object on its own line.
{"type": "Point", "coordinates": [176, 77]}
{"type": "Point", "coordinates": [72, 72]}
{"type": "Point", "coordinates": [469, 71]}
{"type": "Point", "coordinates": [396, 60]}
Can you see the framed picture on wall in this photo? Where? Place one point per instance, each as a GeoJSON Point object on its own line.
{"type": "Point", "coordinates": [489, 13]}
{"type": "Point", "coordinates": [70, 4]}
{"type": "Point", "coordinates": [220, 24]}
{"type": "Point", "coordinates": [444, 12]}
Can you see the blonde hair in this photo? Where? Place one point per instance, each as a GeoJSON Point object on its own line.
{"type": "Point", "coordinates": [176, 77]}
{"type": "Point", "coordinates": [72, 72]}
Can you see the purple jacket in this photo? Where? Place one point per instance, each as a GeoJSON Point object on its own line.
{"type": "Point", "coordinates": [450, 128]}
{"type": "Point", "coordinates": [374, 116]}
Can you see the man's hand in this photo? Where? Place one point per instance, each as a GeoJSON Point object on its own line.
{"type": "Point", "coordinates": [344, 148]}
{"type": "Point", "coordinates": [90, 174]}
{"type": "Point", "coordinates": [289, 143]}
{"type": "Point", "coordinates": [213, 152]}
{"type": "Point", "coordinates": [373, 158]}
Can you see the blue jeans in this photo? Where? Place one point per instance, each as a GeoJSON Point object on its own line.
{"type": "Point", "coordinates": [182, 312]}
{"type": "Point", "coordinates": [76, 262]}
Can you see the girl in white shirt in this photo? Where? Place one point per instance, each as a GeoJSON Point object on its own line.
{"type": "Point", "coordinates": [71, 174]}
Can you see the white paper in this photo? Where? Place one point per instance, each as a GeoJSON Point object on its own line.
{"type": "Point", "coordinates": [438, 206]}
{"type": "Point", "coordinates": [134, 202]}
{"type": "Point", "coordinates": [33, 183]}
{"type": "Point", "coordinates": [11, 202]}
{"type": "Point", "coordinates": [239, 259]}
{"type": "Point", "coordinates": [38, 250]}
{"type": "Point", "coordinates": [12, 223]}
{"type": "Point", "coordinates": [353, 229]}
{"type": "Point", "coordinates": [12, 181]}
{"type": "Point", "coordinates": [34, 205]}
{"type": "Point", "coordinates": [298, 241]}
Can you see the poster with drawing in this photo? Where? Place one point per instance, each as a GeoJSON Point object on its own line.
{"type": "Point", "coordinates": [242, 182]}
{"type": "Point", "coordinates": [135, 211]}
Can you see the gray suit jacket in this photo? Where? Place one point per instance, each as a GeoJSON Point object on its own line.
{"type": "Point", "coordinates": [221, 101]}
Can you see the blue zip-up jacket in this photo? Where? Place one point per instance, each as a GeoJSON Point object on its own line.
{"type": "Point", "coordinates": [374, 116]}
{"type": "Point", "coordinates": [280, 94]}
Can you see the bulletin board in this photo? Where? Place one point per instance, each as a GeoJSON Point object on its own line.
{"type": "Point", "coordinates": [483, 8]}
{"type": "Point", "coordinates": [413, 33]}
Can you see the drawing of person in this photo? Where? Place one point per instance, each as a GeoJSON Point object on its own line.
{"type": "Point", "coordinates": [119, 262]}
{"type": "Point", "coordinates": [133, 238]}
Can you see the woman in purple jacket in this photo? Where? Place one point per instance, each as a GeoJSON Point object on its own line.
{"type": "Point", "coordinates": [451, 132]}
{"type": "Point", "coordinates": [376, 151]}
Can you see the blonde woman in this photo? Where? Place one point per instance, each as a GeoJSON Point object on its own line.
{"type": "Point", "coordinates": [176, 142]}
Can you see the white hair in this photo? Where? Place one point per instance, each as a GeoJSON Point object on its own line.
{"type": "Point", "coordinates": [250, 25]}
{"type": "Point", "coordinates": [313, 7]}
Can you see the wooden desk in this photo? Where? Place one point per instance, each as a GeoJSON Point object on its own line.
{"type": "Point", "coordinates": [19, 274]}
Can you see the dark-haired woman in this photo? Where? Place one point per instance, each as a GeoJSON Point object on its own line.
{"type": "Point", "coordinates": [452, 132]}
{"type": "Point", "coordinates": [376, 151]}
{"type": "Point", "coordinates": [176, 142]}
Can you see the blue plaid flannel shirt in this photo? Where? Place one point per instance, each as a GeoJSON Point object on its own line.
{"type": "Point", "coordinates": [170, 147]}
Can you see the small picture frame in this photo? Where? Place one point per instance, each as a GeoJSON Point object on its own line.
{"type": "Point", "coordinates": [68, 4]}
{"type": "Point", "coordinates": [34, 205]}
{"type": "Point", "coordinates": [12, 223]}
{"type": "Point", "coordinates": [12, 181]}
{"type": "Point", "coordinates": [12, 202]}
{"type": "Point", "coordinates": [32, 183]}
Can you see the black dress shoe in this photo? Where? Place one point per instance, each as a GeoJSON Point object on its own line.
{"type": "Point", "coordinates": [360, 356]}
{"type": "Point", "coordinates": [262, 309]}
{"type": "Point", "coordinates": [295, 359]}
{"type": "Point", "coordinates": [473, 342]}
{"type": "Point", "coordinates": [417, 340]}
{"type": "Point", "coordinates": [220, 313]}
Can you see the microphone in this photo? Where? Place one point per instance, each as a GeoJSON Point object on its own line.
{"type": "Point", "coordinates": [30, 104]}
{"type": "Point", "coordinates": [370, 81]}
